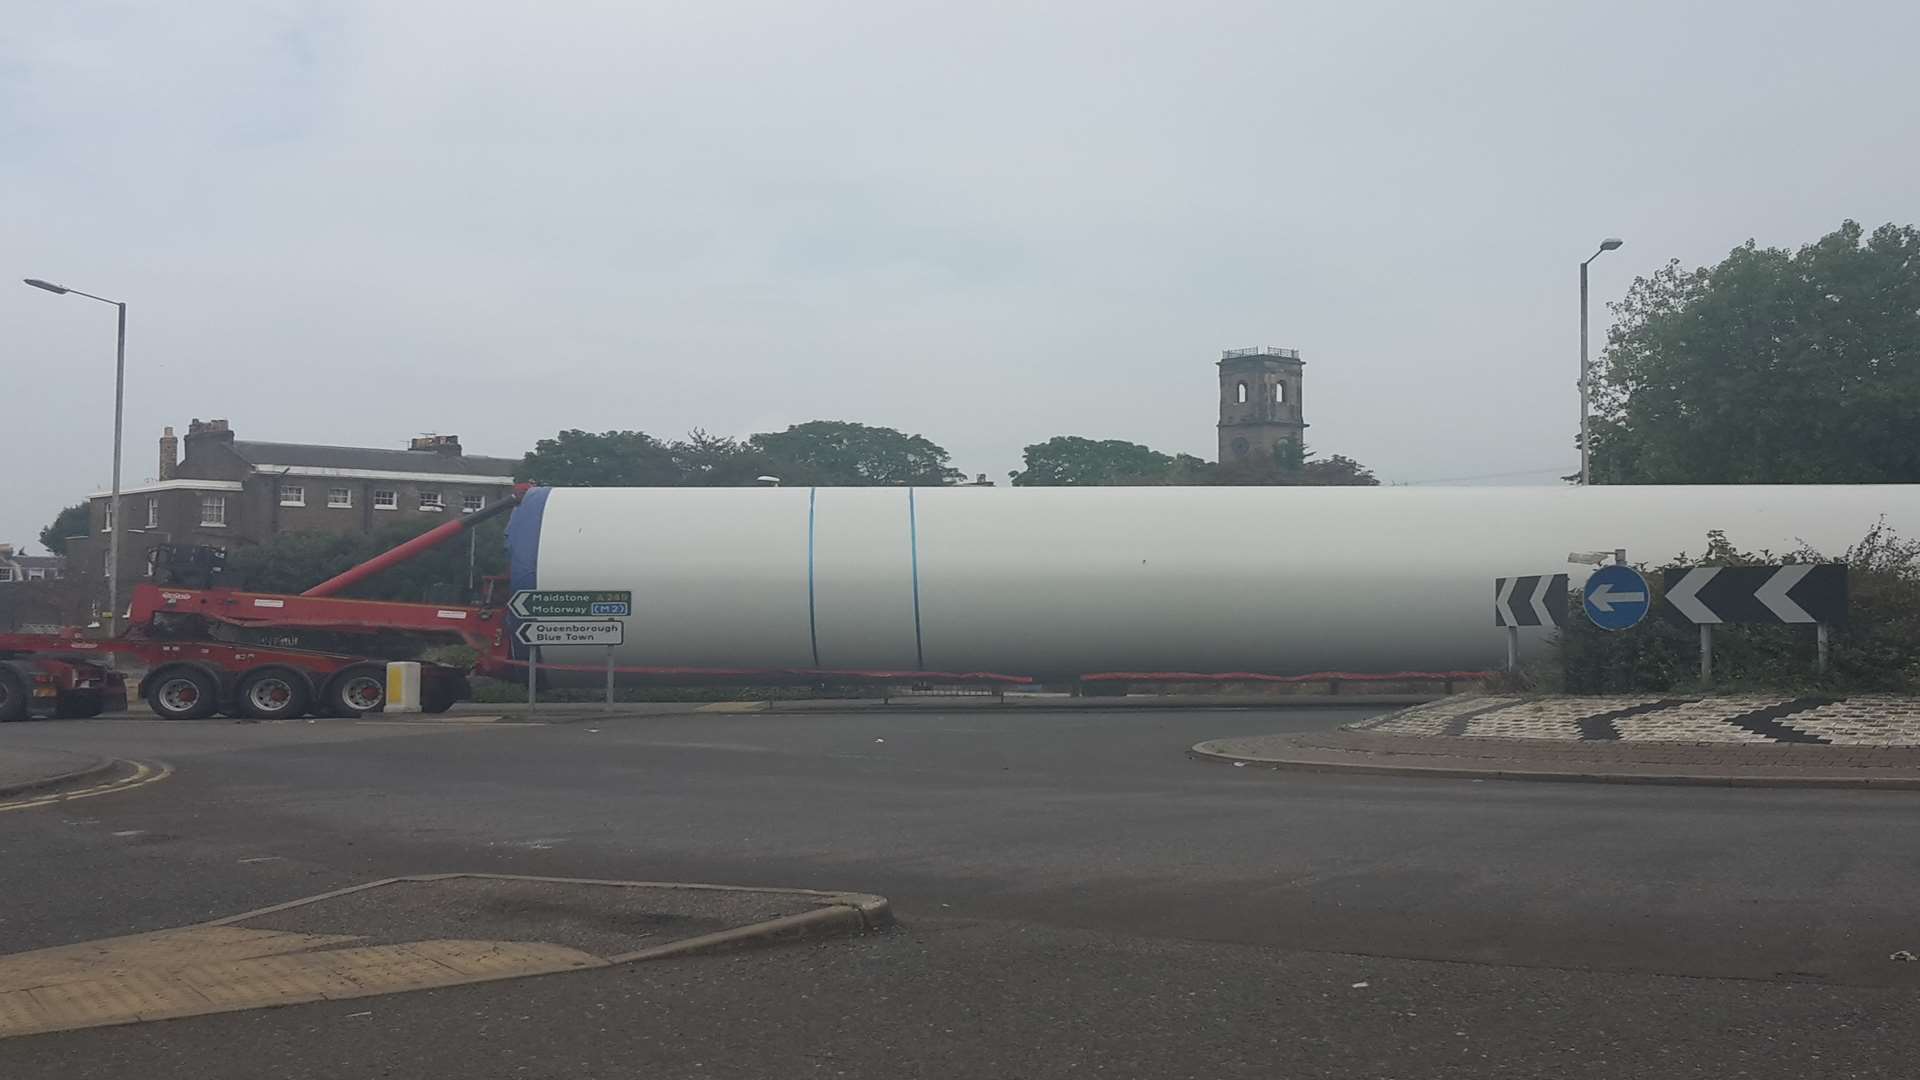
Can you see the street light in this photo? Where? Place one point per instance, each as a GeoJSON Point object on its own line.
{"type": "Point", "coordinates": [119, 412]}
{"type": "Point", "coordinates": [1586, 447]}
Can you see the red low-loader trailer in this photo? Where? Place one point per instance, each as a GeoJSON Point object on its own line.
{"type": "Point", "coordinates": [173, 632]}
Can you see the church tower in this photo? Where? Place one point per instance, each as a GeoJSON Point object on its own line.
{"type": "Point", "coordinates": [1259, 402]}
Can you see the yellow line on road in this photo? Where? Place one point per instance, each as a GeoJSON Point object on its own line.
{"type": "Point", "coordinates": [143, 774]}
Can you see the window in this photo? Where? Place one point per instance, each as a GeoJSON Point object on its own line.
{"type": "Point", "coordinates": [340, 498]}
{"type": "Point", "coordinates": [430, 502]}
{"type": "Point", "coordinates": [386, 500]}
{"type": "Point", "coordinates": [471, 503]}
{"type": "Point", "coordinates": [213, 511]}
{"type": "Point", "coordinates": [36, 574]}
{"type": "Point", "coordinates": [293, 495]}
{"type": "Point", "coordinates": [1279, 393]}
{"type": "Point", "coordinates": [1240, 394]}
{"type": "Point", "coordinates": [6, 573]}
{"type": "Point", "coordinates": [106, 521]}
{"type": "Point", "coordinates": [153, 512]}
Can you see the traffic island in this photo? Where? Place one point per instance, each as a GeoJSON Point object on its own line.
{"type": "Point", "coordinates": [403, 934]}
{"type": "Point", "coordinates": [1765, 741]}
{"type": "Point", "coordinates": [25, 770]}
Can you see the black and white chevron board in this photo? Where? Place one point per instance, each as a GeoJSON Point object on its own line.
{"type": "Point", "coordinates": [1803, 593]}
{"type": "Point", "coordinates": [1530, 600]}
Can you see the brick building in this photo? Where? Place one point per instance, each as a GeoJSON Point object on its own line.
{"type": "Point", "coordinates": [228, 492]}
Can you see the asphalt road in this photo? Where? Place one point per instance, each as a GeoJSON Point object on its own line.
{"type": "Point", "coordinates": [1075, 897]}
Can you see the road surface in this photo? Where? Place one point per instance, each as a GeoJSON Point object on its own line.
{"type": "Point", "coordinates": [1075, 897]}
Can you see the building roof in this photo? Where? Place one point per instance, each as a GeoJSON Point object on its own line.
{"type": "Point", "coordinates": [373, 459]}
{"type": "Point", "coordinates": [37, 562]}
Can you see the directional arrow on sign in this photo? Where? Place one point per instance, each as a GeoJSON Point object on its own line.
{"type": "Point", "coordinates": [1801, 593]}
{"type": "Point", "coordinates": [1604, 597]}
{"type": "Point", "coordinates": [1527, 600]}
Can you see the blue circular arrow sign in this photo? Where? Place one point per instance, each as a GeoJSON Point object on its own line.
{"type": "Point", "coordinates": [1616, 597]}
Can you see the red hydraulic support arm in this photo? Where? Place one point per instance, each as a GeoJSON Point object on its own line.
{"type": "Point", "coordinates": [430, 538]}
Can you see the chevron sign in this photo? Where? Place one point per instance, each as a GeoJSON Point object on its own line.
{"type": "Point", "coordinates": [1804, 593]}
{"type": "Point", "coordinates": [1530, 600]}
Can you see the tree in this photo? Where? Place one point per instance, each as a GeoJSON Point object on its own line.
{"type": "Point", "coordinates": [69, 522]}
{"type": "Point", "coordinates": [1772, 367]}
{"type": "Point", "coordinates": [705, 460]}
{"type": "Point", "coordinates": [1070, 459]}
{"type": "Point", "coordinates": [575, 458]}
{"type": "Point", "coordinates": [838, 452]}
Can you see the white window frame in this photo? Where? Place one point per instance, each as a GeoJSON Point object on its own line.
{"type": "Point", "coordinates": [153, 511]}
{"type": "Point", "coordinates": [431, 502]}
{"type": "Point", "coordinates": [293, 494]}
{"type": "Point", "coordinates": [6, 574]}
{"type": "Point", "coordinates": [207, 503]}
{"type": "Point", "coordinates": [342, 504]}
{"type": "Point", "coordinates": [472, 502]}
{"type": "Point", "coordinates": [386, 499]}
{"type": "Point", "coordinates": [36, 573]}
{"type": "Point", "coordinates": [106, 516]}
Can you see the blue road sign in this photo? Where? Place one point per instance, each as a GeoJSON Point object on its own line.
{"type": "Point", "coordinates": [1616, 597]}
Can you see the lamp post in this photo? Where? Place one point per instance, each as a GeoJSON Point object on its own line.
{"type": "Point", "coordinates": [1586, 447]}
{"type": "Point", "coordinates": [119, 413]}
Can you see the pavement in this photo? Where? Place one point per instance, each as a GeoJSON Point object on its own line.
{"type": "Point", "coordinates": [1073, 895]}
{"type": "Point", "coordinates": [1737, 740]}
{"type": "Point", "coordinates": [27, 768]}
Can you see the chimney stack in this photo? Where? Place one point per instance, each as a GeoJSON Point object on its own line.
{"type": "Point", "coordinates": [437, 444]}
{"type": "Point", "coordinates": [169, 454]}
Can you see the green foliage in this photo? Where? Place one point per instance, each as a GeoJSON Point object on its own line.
{"type": "Point", "coordinates": [575, 458]}
{"type": "Point", "coordinates": [822, 452]}
{"type": "Point", "coordinates": [842, 453]}
{"type": "Point", "coordinates": [296, 561]}
{"type": "Point", "coordinates": [1773, 367]}
{"type": "Point", "coordinates": [1069, 459]}
{"type": "Point", "coordinates": [71, 521]}
{"type": "Point", "coordinates": [1878, 649]}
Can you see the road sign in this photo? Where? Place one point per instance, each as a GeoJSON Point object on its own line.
{"type": "Point", "coordinates": [1530, 600]}
{"type": "Point", "coordinates": [552, 632]}
{"type": "Point", "coordinates": [570, 604]}
{"type": "Point", "coordinates": [1803, 593]}
{"type": "Point", "coordinates": [1616, 597]}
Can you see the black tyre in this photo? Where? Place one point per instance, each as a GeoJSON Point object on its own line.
{"type": "Point", "coordinates": [273, 694]}
{"type": "Point", "coordinates": [13, 697]}
{"type": "Point", "coordinates": [356, 691]}
{"type": "Point", "coordinates": [183, 694]}
{"type": "Point", "coordinates": [438, 695]}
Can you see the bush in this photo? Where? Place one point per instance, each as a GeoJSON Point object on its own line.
{"type": "Point", "coordinates": [1878, 649]}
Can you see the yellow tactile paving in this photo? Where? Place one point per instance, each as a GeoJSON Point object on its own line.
{"type": "Point", "coordinates": [186, 972]}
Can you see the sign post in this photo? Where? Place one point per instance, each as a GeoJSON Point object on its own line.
{"type": "Point", "coordinates": [533, 677]}
{"type": "Point", "coordinates": [1528, 600]}
{"type": "Point", "coordinates": [569, 617]}
{"type": "Point", "coordinates": [609, 678]}
{"type": "Point", "coordinates": [1798, 593]}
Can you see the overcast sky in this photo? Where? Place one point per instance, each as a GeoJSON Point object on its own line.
{"type": "Point", "coordinates": [989, 223]}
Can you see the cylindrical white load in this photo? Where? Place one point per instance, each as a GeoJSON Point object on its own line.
{"type": "Point", "coordinates": [1069, 581]}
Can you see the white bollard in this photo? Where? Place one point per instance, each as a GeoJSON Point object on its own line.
{"type": "Point", "coordinates": [403, 687]}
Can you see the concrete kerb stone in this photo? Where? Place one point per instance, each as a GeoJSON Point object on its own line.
{"type": "Point", "coordinates": [1203, 753]}
{"type": "Point", "coordinates": [845, 913]}
{"type": "Point", "coordinates": [96, 769]}
{"type": "Point", "coordinates": [575, 712]}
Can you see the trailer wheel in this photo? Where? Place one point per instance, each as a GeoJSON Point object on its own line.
{"type": "Point", "coordinates": [183, 694]}
{"type": "Point", "coordinates": [356, 691]}
{"type": "Point", "coordinates": [13, 697]}
{"type": "Point", "coordinates": [272, 694]}
{"type": "Point", "coordinates": [436, 698]}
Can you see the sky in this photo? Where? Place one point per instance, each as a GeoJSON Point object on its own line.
{"type": "Point", "coordinates": [351, 222]}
